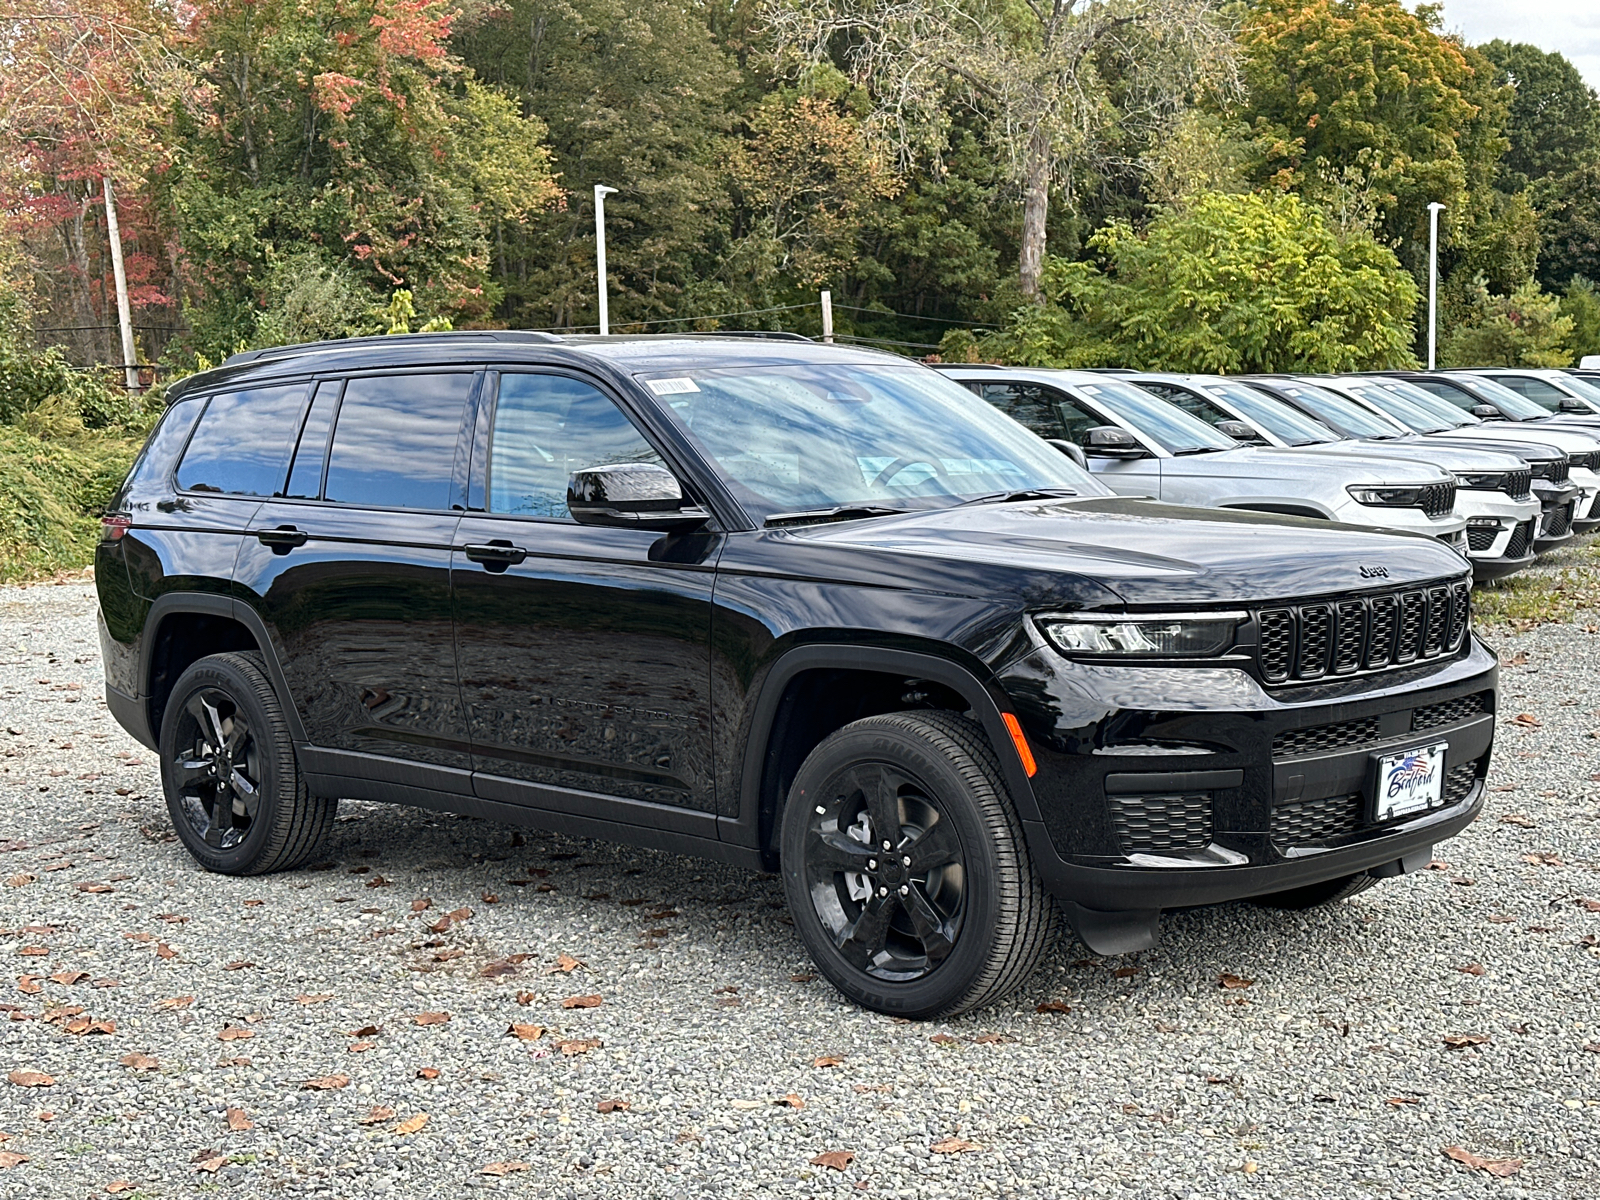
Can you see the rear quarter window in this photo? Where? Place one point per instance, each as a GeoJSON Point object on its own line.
{"type": "Point", "coordinates": [394, 440]}
{"type": "Point", "coordinates": [154, 465]}
{"type": "Point", "coordinates": [241, 446]}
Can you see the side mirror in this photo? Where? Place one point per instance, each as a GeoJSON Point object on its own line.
{"type": "Point", "coordinates": [1487, 411]}
{"type": "Point", "coordinates": [1072, 450]}
{"type": "Point", "coordinates": [1107, 441]}
{"type": "Point", "coordinates": [1240, 431]}
{"type": "Point", "coordinates": [1573, 404]}
{"type": "Point", "coordinates": [642, 496]}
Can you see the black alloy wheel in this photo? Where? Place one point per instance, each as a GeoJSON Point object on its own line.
{"type": "Point", "coordinates": [905, 868]}
{"type": "Point", "coordinates": [218, 780]}
{"type": "Point", "coordinates": [885, 872]}
{"type": "Point", "coordinates": [228, 766]}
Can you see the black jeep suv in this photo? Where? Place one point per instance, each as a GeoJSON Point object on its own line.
{"type": "Point", "coordinates": [799, 607]}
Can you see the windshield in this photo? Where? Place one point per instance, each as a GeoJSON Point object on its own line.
{"type": "Point", "coordinates": [1420, 397]}
{"type": "Point", "coordinates": [1583, 388]}
{"type": "Point", "coordinates": [1163, 422]}
{"type": "Point", "coordinates": [1282, 421]}
{"type": "Point", "coordinates": [801, 438]}
{"type": "Point", "coordinates": [1339, 411]}
{"type": "Point", "coordinates": [1381, 397]}
{"type": "Point", "coordinates": [1514, 404]}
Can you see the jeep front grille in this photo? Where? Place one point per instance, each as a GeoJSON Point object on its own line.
{"type": "Point", "coordinates": [1518, 484]}
{"type": "Point", "coordinates": [1438, 499]}
{"type": "Point", "coordinates": [1318, 640]}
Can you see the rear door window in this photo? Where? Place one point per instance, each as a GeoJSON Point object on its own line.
{"type": "Point", "coordinates": [241, 446]}
{"type": "Point", "coordinates": [394, 441]}
{"type": "Point", "coordinates": [305, 476]}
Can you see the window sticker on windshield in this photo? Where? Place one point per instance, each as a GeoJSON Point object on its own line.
{"type": "Point", "coordinates": [672, 387]}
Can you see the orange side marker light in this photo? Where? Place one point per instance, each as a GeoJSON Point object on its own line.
{"type": "Point", "coordinates": [1021, 743]}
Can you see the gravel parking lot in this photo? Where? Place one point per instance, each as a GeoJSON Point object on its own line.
{"type": "Point", "coordinates": [448, 1004]}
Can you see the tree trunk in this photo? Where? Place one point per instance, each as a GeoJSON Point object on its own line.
{"type": "Point", "coordinates": [86, 337]}
{"type": "Point", "coordinates": [1035, 209]}
{"type": "Point", "coordinates": [130, 355]}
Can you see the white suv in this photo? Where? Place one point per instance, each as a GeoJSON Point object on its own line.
{"type": "Point", "coordinates": [1140, 445]}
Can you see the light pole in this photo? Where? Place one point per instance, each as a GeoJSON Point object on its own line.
{"type": "Point", "coordinates": [1434, 210]}
{"type": "Point", "coordinates": [601, 191]}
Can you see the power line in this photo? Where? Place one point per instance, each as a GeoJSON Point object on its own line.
{"type": "Point", "coordinates": [880, 312]}
{"type": "Point", "coordinates": [748, 312]}
{"type": "Point", "coordinates": [849, 337]}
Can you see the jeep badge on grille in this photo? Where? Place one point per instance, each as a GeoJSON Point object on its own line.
{"type": "Point", "coordinates": [1374, 572]}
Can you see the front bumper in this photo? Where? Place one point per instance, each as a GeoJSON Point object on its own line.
{"type": "Point", "coordinates": [1451, 529]}
{"type": "Point", "coordinates": [1169, 787]}
{"type": "Point", "coordinates": [1559, 505]}
{"type": "Point", "coordinates": [1500, 531]}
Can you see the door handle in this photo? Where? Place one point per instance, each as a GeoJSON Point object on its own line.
{"type": "Point", "coordinates": [496, 555]}
{"type": "Point", "coordinates": [282, 539]}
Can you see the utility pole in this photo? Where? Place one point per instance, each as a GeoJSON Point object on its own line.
{"type": "Point", "coordinates": [601, 191]}
{"type": "Point", "coordinates": [1434, 210]}
{"type": "Point", "coordinates": [130, 356]}
{"type": "Point", "coordinates": [827, 316]}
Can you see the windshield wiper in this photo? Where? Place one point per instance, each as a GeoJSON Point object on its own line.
{"type": "Point", "coordinates": [1182, 450]}
{"type": "Point", "coordinates": [840, 512]}
{"type": "Point", "coordinates": [1022, 494]}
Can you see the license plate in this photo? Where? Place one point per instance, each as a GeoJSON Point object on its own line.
{"type": "Point", "coordinates": [1408, 781]}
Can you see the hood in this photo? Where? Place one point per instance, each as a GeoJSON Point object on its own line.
{"type": "Point", "coordinates": [1528, 451]}
{"type": "Point", "coordinates": [1146, 553]}
{"type": "Point", "coordinates": [1303, 462]}
{"type": "Point", "coordinates": [1429, 453]}
{"type": "Point", "coordinates": [1572, 439]}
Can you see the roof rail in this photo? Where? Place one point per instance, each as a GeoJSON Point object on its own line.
{"type": "Point", "coordinates": [954, 366]}
{"type": "Point", "coordinates": [389, 339]}
{"type": "Point", "coordinates": [770, 335]}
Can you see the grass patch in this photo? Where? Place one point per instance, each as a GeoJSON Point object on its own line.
{"type": "Point", "coordinates": [1556, 588]}
{"type": "Point", "coordinates": [51, 492]}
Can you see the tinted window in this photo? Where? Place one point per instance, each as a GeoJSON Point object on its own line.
{"type": "Point", "coordinates": [545, 428]}
{"type": "Point", "coordinates": [1340, 412]}
{"type": "Point", "coordinates": [1028, 403]}
{"type": "Point", "coordinates": [1175, 430]}
{"type": "Point", "coordinates": [305, 476]}
{"type": "Point", "coordinates": [1267, 412]}
{"type": "Point", "coordinates": [394, 445]}
{"type": "Point", "coordinates": [161, 451]}
{"type": "Point", "coordinates": [1545, 395]}
{"type": "Point", "coordinates": [242, 444]}
{"type": "Point", "coordinates": [1192, 404]}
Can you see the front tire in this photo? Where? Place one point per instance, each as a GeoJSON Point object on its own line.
{"type": "Point", "coordinates": [905, 868]}
{"type": "Point", "coordinates": [228, 767]}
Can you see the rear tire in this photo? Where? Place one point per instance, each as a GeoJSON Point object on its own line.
{"type": "Point", "coordinates": [1315, 895]}
{"type": "Point", "coordinates": [228, 767]}
{"type": "Point", "coordinates": [950, 916]}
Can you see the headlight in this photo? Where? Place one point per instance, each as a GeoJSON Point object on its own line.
{"type": "Point", "coordinates": [1182, 636]}
{"type": "Point", "coordinates": [1484, 481]}
{"type": "Point", "coordinates": [1388, 497]}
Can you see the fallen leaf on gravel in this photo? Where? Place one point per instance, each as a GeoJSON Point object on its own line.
{"type": "Point", "coordinates": [64, 865]}
{"type": "Point", "coordinates": [661, 914]}
{"type": "Point", "coordinates": [1052, 1006]}
{"type": "Point", "coordinates": [173, 918]}
{"type": "Point", "coordinates": [1501, 1168]}
{"type": "Point", "coordinates": [20, 880]}
{"type": "Point", "coordinates": [581, 1002]}
{"type": "Point", "coordinates": [943, 1039]}
{"type": "Point", "coordinates": [233, 1033]}
{"type": "Point", "coordinates": [31, 1079]}
{"type": "Point", "coordinates": [365, 1031]}
{"type": "Point", "coordinates": [86, 1025]}
{"type": "Point", "coordinates": [47, 1116]}
{"type": "Point", "coordinates": [792, 1099]}
{"type": "Point", "coordinates": [322, 998]}
{"type": "Point", "coordinates": [1516, 660]}
{"type": "Point", "coordinates": [377, 881]}
{"type": "Point", "coordinates": [1520, 820]}
{"type": "Point", "coordinates": [29, 984]}
{"type": "Point", "coordinates": [9, 1159]}
{"type": "Point", "coordinates": [611, 1106]}
{"type": "Point", "coordinates": [1501, 919]}
{"type": "Point", "coordinates": [1437, 864]}
{"type": "Point", "coordinates": [238, 965]}
{"type": "Point", "coordinates": [579, 1046]}
{"type": "Point", "coordinates": [1472, 969]}
{"type": "Point", "coordinates": [34, 951]}
{"type": "Point", "coordinates": [377, 1116]}
{"type": "Point", "coordinates": [1590, 905]}
{"type": "Point", "coordinates": [526, 1033]}
{"type": "Point", "coordinates": [1124, 972]}
{"type": "Point", "coordinates": [422, 905]}
{"type": "Point", "coordinates": [118, 1186]}
{"type": "Point", "coordinates": [1460, 1041]}
{"type": "Point", "coordinates": [174, 1002]}
{"type": "Point", "coordinates": [566, 964]}
{"type": "Point", "coordinates": [361, 1047]}
{"type": "Point", "coordinates": [238, 1122]}
{"type": "Point", "coordinates": [1233, 981]}
{"type": "Point", "coordinates": [95, 889]}
{"type": "Point", "coordinates": [1544, 860]}
{"type": "Point", "coordinates": [439, 926]}
{"type": "Point", "coordinates": [497, 969]}
{"type": "Point", "coordinates": [490, 898]}
{"type": "Point", "coordinates": [525, 998]}
{"type": "Point", "coordinates": [140, 936]}
{"type": "Point", "coordinates": [139, 1062]}
{"type": "Point", "coordinates": [504, 1168]}
{"type": "Point", "coordinates": [827, 1060]}
{"type": "Point", "coordinates": [1399, 1100]}
{"type": "Point", "coordinates": [836, 1160]}
{"type": "Point", "coordinates": [106, 983]}
{"type": "Point", "coordinates": [1592, 1047]}
{"type": "Point", "coordinates": [1526, 720]}
{"type": "Point", "coordinates": [165, 951]}
{"type": "Point", "coordinates": [427, 1072]}
{"type": "Point", "coordinates": [325, 1083]}
{"type": "Point", "coordinates": [411, 1124]}
{"type": "Point", "coordinates": [209, 1166]}
{"type": "Point", "coordinates": [459, 915]}
{"type": "Point", "coordinates": [431, 1018]}
{"type": "Point", "coordinates": [254, 903]}
{"type": "Point", "coordinates": [953, 1145]}
{"type": "Point", "coordinates": [802, 979]}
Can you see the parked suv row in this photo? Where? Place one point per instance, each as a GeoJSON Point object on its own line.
{"type": "Point", "coordinates": [805, 609]}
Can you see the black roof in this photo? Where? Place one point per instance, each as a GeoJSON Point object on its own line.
{"type": "Point", "coordinates": [622, 354]}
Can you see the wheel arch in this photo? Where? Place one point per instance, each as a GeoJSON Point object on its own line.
{"type": "Point", "coordinates": [769, 764]}
{"type": "Point", "coordinates": [184, 627]}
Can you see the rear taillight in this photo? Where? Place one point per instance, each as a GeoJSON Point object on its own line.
{"type": "Point", "coordinates": [113, 526]}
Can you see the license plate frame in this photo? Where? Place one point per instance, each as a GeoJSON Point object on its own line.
{"type": "Point", "coordinates": [1406, 782]}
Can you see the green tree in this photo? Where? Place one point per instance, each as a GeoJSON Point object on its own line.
{"type": "Point", "coordinates": [1569, 224]}
{"type": "Point", "coordinates": [1581, 303]}
{"type": "Point", "coordinates": [1524, 329]}
{"type": "Point", "coordinates": [1554, 122]}
{"type": "Point", "coordinates": [1227, 283]}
